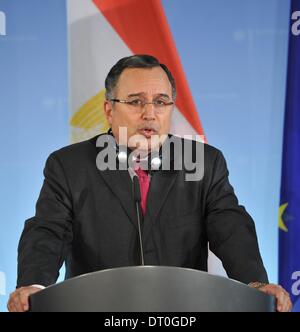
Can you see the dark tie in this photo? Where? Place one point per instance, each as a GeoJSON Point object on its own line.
{"type": "Point", "coordinates": [144, 181]}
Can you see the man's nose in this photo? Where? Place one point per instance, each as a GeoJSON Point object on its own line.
{"type": "Point", "coordinates": [149, 112]}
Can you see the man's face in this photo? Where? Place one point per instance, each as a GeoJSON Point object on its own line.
{"type": "Point", "coordinates": [145, 84]}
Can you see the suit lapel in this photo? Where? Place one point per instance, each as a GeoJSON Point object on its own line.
{"type": "Point", "coordinates": [160, 186]}
{"type": "Point", "coordinates": [121, 185]}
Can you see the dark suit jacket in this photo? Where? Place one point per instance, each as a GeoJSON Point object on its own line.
{"type": "Point", "coordinates": [86, 218]}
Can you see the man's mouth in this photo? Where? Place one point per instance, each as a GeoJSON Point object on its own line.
{"type": "Point", "coordinates": [147, 132]}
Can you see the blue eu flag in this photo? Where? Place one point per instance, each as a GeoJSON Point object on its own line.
{"type": "Point", "coordinates": [289, 211]}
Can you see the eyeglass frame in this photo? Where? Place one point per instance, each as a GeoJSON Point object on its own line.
{"type": "Point", "coordinates": [142, 104]}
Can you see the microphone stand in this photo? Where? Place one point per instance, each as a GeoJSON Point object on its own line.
{"type": "Point", "coordinates": [137, 200]}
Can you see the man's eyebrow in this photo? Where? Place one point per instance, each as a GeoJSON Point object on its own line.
{"type": "Point", "coordinates": [163, 95]}
{"type": "Point", "coordinates": [140, 94]}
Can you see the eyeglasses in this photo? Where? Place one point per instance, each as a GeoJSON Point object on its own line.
{"type": "Point", "coordinates": [139, 104]}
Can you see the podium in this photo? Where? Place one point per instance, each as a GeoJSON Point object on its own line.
{"type": "Point", "coordinates": [150, 289]}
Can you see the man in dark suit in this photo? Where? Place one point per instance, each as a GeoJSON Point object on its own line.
{"type": "Point", "coordinates": [86, 217]}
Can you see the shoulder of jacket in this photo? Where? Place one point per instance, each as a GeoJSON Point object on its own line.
{"type": "Point", "coordinates": [76, 148]}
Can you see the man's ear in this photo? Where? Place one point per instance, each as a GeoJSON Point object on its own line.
{"type": "Point", "coordinates": [107, 107]}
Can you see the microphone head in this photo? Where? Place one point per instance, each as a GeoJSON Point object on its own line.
{"type": "Point", "coordinates": [122, 157]}
{"type": "Point", "coordinates": [155, 163]}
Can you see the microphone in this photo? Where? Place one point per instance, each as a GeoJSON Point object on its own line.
{"type": "Point", "coordinates": [137, 200]}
